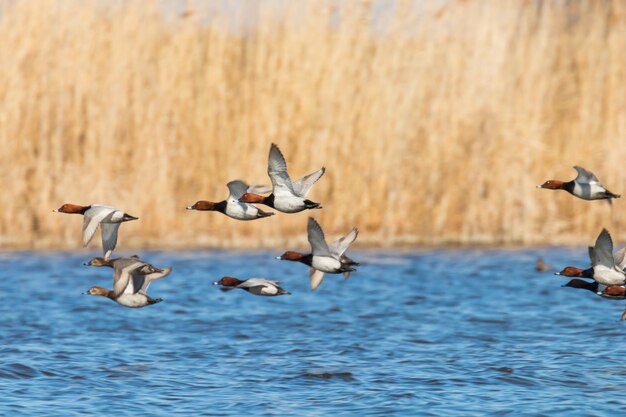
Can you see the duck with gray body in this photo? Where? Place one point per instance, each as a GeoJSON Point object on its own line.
{"type": "Point", "coordinates": [257, 286]}
{"type": "Point", "coordinates": [231, 205]}
{"type": "Point", "coordinates": [107, 217]}
{"type": "Point", "coordinates": [131, 279]}
{"type": "Point", "coordinates": [336, 249]}
{"type": "Point", "coordinates": [324, 258]}
{"type": "Point", "coordinates": [287, 196]}
{"type": "Point", "coordinates": [585, 186]}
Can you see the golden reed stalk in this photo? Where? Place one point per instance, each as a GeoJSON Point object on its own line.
{"type": "Point", "coordinates": [435, 122]}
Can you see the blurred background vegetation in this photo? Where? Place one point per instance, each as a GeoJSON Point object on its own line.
{"type": "Point", "coordinates": [435, 120]}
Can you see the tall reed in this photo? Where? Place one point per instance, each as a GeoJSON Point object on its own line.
{"type": "Point", "coordinates": [435, 123]}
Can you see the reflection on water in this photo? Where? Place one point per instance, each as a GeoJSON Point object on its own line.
{"type": "Point", "coordinates": [445, 332]}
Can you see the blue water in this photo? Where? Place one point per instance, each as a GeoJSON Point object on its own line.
{"type": "Point", "coordinates": [429, 333]}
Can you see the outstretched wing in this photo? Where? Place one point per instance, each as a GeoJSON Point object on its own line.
{"type": "Point", "coordinates": [585, 175]}
{"type": "Point", "coordinates": [603, 250]}
{"type": "Point", "coordinates": [316, 278]}
{"type": "Point", "coordinates": [338, 247]}
{"type": "Point", "coordinates": [122, 273]}
{"type": "Point", "coordinates": [592, 255]}
{"type": "Point", "coordinates": [304, 184]}
{"type": "Point", "coordinates": [316, 239]}
{"type": "Point", "coordinates": [237, 189]}
{"type": "Point", "coordinates": [620, 258]}
{"type": "Point", "coordinates": [137, 281]}
{"type": "Point", "coordinates": [109, 237]}
{"type": "Point", "coordinates": [92, 218]}
{"type": "Point", "coordinates": [260, 189]}
{"type": "Point", "coordinates": [148, 278]}
{"type": "Point", "coordinates": [277, 171]}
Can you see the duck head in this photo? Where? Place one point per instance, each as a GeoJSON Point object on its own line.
{"type": "Point", "coordinates": [72, 209]}
{"type": "Point", "coordinates": [228, 282]}
{"type": "Point", "coordinates": [291, 256]}
{"type": "Point", "coordinates": [615, 290]}
{"type": "Point", "coordinates": [99, 262]}
{"type": "Point", "coordinates": [571, 271]}
{"type": "Point", "coordinates": [552, 185]}
{"type": "Point", "coordinates": [577, 283]}
{"type": "Point", "coordinates": [97, 291]}
{"type": "Point", "coordinates": [252, 198]}
{"type": "Point", "coordinates": [202, 205]}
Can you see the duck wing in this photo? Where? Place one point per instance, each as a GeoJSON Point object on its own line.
{"type": "Point", "coordinates": [316, 277]}
{"type": "Point", "coordinates": [136, 283]}
{"type": "Point", "coordinates": [277, 171]}
{"type": "Point", "coordinates": [603, 250]}
{"type": "Point", "coordinates": [339, 246]}
{"type": "Point", "coordinates": [260, 189]}
{"type": "Point", "coordinates": [585, 176]}
{"type": "Point", "coordinates": [592, 255]}
{"type": "Point", "coordinates": [123, 268]}
{"type": "Point", "coordinates": [92, 218]}
{"type": "Point", "coordinates": [620, 258]}
{"type": "Point", "coordinates": [237, 189]}
{"type": "Point", "coordinates": [142, 280]}
{"type": "Point", "coordinates": [260, 286]}
{"type": "Point", "coordinates": [319, 247]}
{"type": "Point", "coordinates": [304, 184]}
{"type": "Point", "coordinates": [109, 237]}
{"type": "Point", "coordinates": [255, 282]}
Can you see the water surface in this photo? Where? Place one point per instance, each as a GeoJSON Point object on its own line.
{"type": "Point", "coordinates": [421, 332]}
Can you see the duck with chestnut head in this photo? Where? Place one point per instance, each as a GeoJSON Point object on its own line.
{"type": "Point", "coordinates": [231, 206]}
{"type": "Point", "coordinates": [256, 286]}
{"type": "Point", "coordinates": [287, 196]}
{"type": "Point", "coordinates": [324, 258]}
{"type": "Point", "coordinates": [108, 218]}
{"type": "Point", "coordinates": [586, 186]}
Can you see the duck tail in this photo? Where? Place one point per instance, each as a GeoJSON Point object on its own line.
{"type": "Point", "coordinates": [128, 217]}
{"type": "Point", "coordinates": [610, 195]}
{"type": "Point", "coordinates": [312, 205]}
{"type": "Point", "coordinates": [282, 291]}
{"type": "Point", "coordinates": [346, 271]}
{"type": "Point", "coordinates": [261, 214]}
{"type": "Point", "coordinates": [154, 300]}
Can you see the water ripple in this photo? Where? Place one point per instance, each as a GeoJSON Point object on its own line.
{"type": "Point", "coordinates": [406, 335]}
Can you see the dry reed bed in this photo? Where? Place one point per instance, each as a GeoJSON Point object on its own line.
{"type": "Point", "coordinates": [435, 123]}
